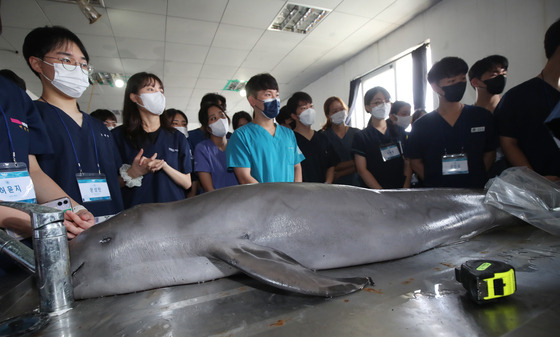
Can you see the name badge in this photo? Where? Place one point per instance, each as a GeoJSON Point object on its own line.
{"type": "Point", "coordinates": [93, 187]}
{"type": "Point", "coordinates": [16, 186]}
{"type": "Point", "coordinates": [15, 183]}
{"type": "Point", "coordinates": [478, 129]}
{"type": "Point", "coordinates": [454, 164]}
{"type": "Point", "coordinates": [390, 151]}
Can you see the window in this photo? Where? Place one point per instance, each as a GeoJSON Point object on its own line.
{"type": "Point", "coordinates": [395, 76]}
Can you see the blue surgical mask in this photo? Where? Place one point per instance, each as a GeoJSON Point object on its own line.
{"type": "Point", "coordinates": [271, 107]}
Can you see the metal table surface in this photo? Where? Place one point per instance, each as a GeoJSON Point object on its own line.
{"type": "Point", "coordinates": [415, 296]}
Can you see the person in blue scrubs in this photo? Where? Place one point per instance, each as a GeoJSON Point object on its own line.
{"type": "Point", "coordinates": [22, 137]}
{"type": "Point", "coordinates": [455, 145]}
{"type": "Point", "coordinates": [210, 154]}
{"type": "Point", "coordinates": [84, 162]}
{"type": "Point", "coordinates": [378, 149]}
{"type": "Point", "coordinates": [263, 151]}
{"type": "Point", "coordinates": [156, 157]}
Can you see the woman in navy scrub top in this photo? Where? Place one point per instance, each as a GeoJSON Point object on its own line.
{"type": "Point", "coordinates": [156, 157]}
{"type": "Point", "coordinates": [84, 162]}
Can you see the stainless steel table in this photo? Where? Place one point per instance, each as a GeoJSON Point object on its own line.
{"type": "Point", "coordinates": [415, 296]}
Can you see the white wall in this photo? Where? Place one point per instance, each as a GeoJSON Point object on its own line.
{"type": "Point", "coordinates": [470, 29]}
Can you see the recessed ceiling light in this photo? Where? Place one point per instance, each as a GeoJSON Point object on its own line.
{"type": "Point", "coordinates": [298, 18]}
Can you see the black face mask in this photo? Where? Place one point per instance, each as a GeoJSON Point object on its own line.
{"type": "Point", "coordinates": [454, 92]}
{"type": "Point", "coordinates": [495, 85]}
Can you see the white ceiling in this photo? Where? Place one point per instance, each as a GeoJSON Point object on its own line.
{"type": "Point", "coordinates": [196, 46]}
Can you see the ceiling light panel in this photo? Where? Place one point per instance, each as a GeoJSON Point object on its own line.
{"type": "Point", "coordinates": [298, 18]}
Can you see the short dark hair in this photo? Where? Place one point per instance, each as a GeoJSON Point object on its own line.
{"type": "Point", "coordinates": [552, 39]}
{"type": "Point", "coordinates": [103, 115]}
{"type": "Point", "coordinates": [240, 115]}
{"type": "Point", "coordinates": [447, 67]}
{"type": "Point", "coordinates": [260, 82]}
{"type": "Point", "coordinates": [486, 64]}
{"type": "Point", "coordinates": [42, 40]}
{"type": "Point", "coordinates": [293, 102]}
{"type": "Point", "coordinates": [203, 115]}
{"type": "Point", "coordinates": [213, 97]}
{"type": "Point", "coordinates": [370, 94]}
{"type": "Point", "coordinates": [283, 115]}
{"type": "Point", "coordinates": [170, 115]}
{"type": "Point", "coordinates": [7, 73]}
{"type": "Point", "coordinates": [397, 105]}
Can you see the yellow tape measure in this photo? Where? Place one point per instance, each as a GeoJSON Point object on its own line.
{"type": "Point", "coordinates": [486, 279]}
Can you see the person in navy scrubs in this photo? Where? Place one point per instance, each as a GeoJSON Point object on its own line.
{"type": "Point", "coordinates": [22, 137]}
{"type": "Point", "coordinates": [156, 157]}
{"type": "Point", "coordinates": [84, 161]}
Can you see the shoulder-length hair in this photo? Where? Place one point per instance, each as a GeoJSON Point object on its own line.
{"type": "Point", "coordinates": [326, 109]}
{"type": "Point", "coordinates": [132, 121]}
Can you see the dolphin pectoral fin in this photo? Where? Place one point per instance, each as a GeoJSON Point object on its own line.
{"type": "Point", "coordinates": [280, 270]}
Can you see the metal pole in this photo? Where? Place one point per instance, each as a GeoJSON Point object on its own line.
{"type": "Point", "coordinates": [52, 259]}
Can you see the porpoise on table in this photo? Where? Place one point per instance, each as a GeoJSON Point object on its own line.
{"type": "Point", "coordinates": [278, 233]}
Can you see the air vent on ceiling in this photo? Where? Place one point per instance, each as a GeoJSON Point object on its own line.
{"type": "Point", "coordinates": [298, 18]}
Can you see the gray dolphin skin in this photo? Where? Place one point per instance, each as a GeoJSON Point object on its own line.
{"type": "Point", "coordinates": [278, 233]}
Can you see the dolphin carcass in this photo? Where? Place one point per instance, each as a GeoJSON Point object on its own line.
{"type": "Point", "coordinates": [278, 233]}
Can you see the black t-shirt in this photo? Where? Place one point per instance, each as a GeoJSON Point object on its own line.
{"type": "Point", "coordinates": [521, 114]}
{"type": "Point", "coordinates": [319, 156]}
{"type": "Point", "coordinates": [369, 142]}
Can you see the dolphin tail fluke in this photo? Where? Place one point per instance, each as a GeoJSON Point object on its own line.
{"type": "Point", "coordinates": [280, 270]}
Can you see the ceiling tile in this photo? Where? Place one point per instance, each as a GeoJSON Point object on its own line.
{"type": "Point", "coordinates": [182, 69]}
{"type": "Point", "coordinates": [24, 14]}
{"type": "Point", "coordinates": [207, 10]}
{"type": "Point", "coordinates": [133, 66]}
{"type": "Point", "coordinates": [262, 59]}
{"type": "Point", "coordinates": [368, 8]}
{"type": "Point", "coordinates": [280, 42]}
{"type": "Point", "coordinates": [251, 14]}
{"type": "Point", "coordinates": [140, 48]}
{"type": "Point", "coordinates": [70, 16]}
{"type": "Point", "coordinates": [217, 71]}
{"type": "Point", "coordinates": [338, 26]}
{"type": "Point", "coordinates": [185, 53]}
{"type": "Point", "coordinates": [137, 25]}
{"type": "Point", "coordinates": [100, 45]}
{"type": "Point", "coordinates": [189, 31]}
{"type": "Point", "coordinates": [107, 64]}
{"type": "Point", "coordinates": [236, 37]}
{"type": "Point", "coordinates": [226, 57]}
{"type": "Point", "coordinates": [403, 10]}
{"type": "Point", "coordinates": [210, 84]}
{"type": "Point", "coordinates": [147, 6]}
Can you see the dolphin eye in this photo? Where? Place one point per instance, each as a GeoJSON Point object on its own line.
{"type": "Point", "coordinates": [106, 239]}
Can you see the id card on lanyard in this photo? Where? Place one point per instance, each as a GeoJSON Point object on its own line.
{"type": "Point", "coordinates": [389, 151]}
{"type": "Point", "coordinates": [15, 183]}
{"type": "Point", "coordinates": [93, 187]}
{"type": "Point", "coordinates": [454, 164]}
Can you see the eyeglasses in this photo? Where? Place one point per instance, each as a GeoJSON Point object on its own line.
{"type": "Point", "coordinates": [70, 65]}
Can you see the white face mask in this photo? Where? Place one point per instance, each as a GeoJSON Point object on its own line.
{"type": "Point", "coordinates": [339, 117]}
{"type": "Point", "coordinates": [307, 117]}
{"type": "Point", "coordinates": [72, 83]}
{"type": "Point", "coordinates": [183, 130]}
{"type": "Point", "coordinates": [220, 127]}
{"type": "Point", "coordinates": [403, 121]}
{"type": "Point", "coordinates": [381, 111]}
{"type": "Point", "coordinates": [154, 102]}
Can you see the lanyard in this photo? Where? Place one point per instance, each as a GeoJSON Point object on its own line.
{"type": "Point", "coordinates": [445, 140]}
{"type": "Point", "coordinates": [72, 142]}
{"type": "Point", "coordinates": [9, 135]}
